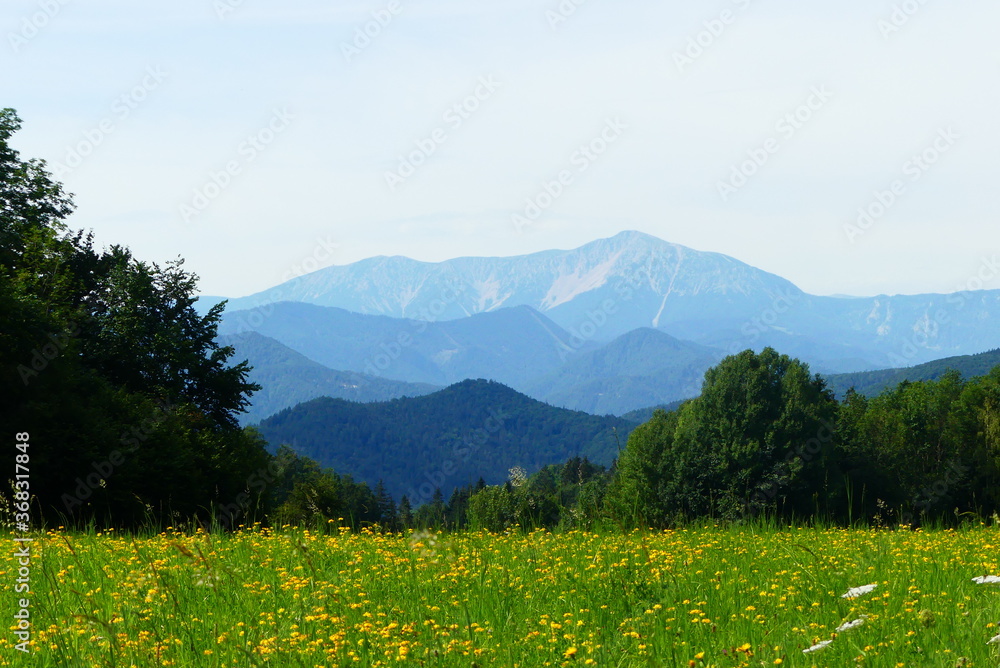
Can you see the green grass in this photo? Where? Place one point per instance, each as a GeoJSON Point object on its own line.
{"type": "Point", "coordinates": [696, 597]}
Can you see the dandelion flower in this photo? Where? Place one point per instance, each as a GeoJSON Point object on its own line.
{"type": "Point", "coordinates": [854, 592]}
{"type": "Point", "coordinates": [817, 647]}
{"type": "Point", "coordinates": [987, 579]}
{"type": "Point", "coordinates": [569, 653]}
{"type": "Point", "coordinates": [847, 626]}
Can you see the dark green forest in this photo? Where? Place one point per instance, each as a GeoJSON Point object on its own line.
{"type": "Point", "coordinates": [445, 440]}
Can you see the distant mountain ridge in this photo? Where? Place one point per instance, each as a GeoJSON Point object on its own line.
{"type": "Point", "coordinates": [564, 285]}
{"type": "Point", "coordinates": [873, 383]}
{"type": "Point", "coordinates": [613, 286]}
{"type": "Point", "coordinates": [517, 346]}
{"type": "Point", "coordinates": [510, 346]}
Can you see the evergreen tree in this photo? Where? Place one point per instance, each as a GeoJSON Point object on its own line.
{"type": "Point", "coordinates": [405, 513]}
{"type": "Point", "coordinates": [387, 515]}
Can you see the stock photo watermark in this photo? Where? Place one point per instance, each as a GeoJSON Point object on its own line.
{"type": "Point", "coordinates": [121, 108]}
{"type": "Point", "coordinates": [89, 482]}
{"type": "Point", "coordinates": [900, 16]}
{"type": "Point", "coordinates": [253, 318]}
{"type": "Point", "coordinates": [462, 451]}
{"type": "Point", "coordinates": [562, 12]}
{"type": "Point", "coordinates": [228, 514]}
{"type": "Point", "coordinates": [588, 328]}
{"type": "Point", "coordinates": [366, 34]}
{"type": "Point", "coordinates": [389, 352]}
{"type": "Point", "coordinates": [787, 127]}
{"type": "Point", "coordinates": [454, 118]}
{"type": "Point", "coordinates": [44, 354]}
{"type": "Point", "coordinates": [22, 543]}
{"type": "Point", "coordinates": [582, 159]}
{"type": "Point", "coordinates": [914, 169]}
{"type": "Point", "coordinates": [32, 26]}
{"type": "Point", "coordinates": [798, 457]}
{"type": "Point", "coordinates": [765, 321]}
{"type": "Point", "coordinates": [248, 151]}
{"type": "Point", "coordinates": [714, 29]}
{"type": "Point", "coordinates": [928, 329]}
{"type": "Point", "coordinates": [224, 8]}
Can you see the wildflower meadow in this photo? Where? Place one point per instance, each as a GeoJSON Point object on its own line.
{"type": "Point", "coordinates": [703, 596]}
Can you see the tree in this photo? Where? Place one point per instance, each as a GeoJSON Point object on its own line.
{"type": "Point", "coordinates": [922, 449]}
{"type": "Point", "coordinates": [130, 402]}
{"type": "Point", "coordinates": [766, 429]}
{"type": "Point", "coordinates": [760, 438]}
{"type": "Point", "coordinates": [646, 490]}
{"type": "Point", "coordinates": [431, 515]}
{"type": "Point", "coordinates": [387, 515]}
{"type": "Point", "coordinates": [405, 513]}
{"type": "Point", "coordinates": [492, 509]}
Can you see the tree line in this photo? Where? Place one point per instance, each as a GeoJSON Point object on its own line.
{"type": "Point", "coordinates": [766, 439]}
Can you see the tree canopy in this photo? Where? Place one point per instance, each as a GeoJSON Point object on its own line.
{"type": "Point", "coordinates": [766, 438]}
{"type": "Point", "coordinates": [130, 403]}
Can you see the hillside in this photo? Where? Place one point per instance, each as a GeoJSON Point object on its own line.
{"type": "Point", "coordinates": [511, 346]}
{"type": "Point", "coordinates": [450, 438]}
{"type": "Point", "coordinates": [288, 378]}
{"type": "Point", "coordinates": [644, 367]}
{"type": "Point", "coordinates": [872, 383]}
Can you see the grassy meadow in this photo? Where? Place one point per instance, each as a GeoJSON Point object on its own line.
{"type": "Point", "coordinates": [695, 597]}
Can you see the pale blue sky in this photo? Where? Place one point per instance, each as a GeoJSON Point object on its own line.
{"type": "Point", "coordinates": [197, 85]}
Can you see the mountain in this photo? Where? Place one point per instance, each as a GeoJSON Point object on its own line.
{"type": "Point", "coordinates": [872, 383]}
{"type": "Point", "coordinates": [644, 367]}
{"type": "Point", "coordinates": [443, 440]}
{"type": "Point", "coordinates": [288, 378]}
{"type": "Point", "coordinates": [512, 346]}
{"type": "Point", "coordinates": [612, 286]}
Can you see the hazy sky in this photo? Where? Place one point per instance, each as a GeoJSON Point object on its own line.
{"type": "Point", "coordinates": [254, 138]}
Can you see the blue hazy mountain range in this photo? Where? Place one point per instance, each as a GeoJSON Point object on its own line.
{"type": "Point", "coordinates": [288, 378]}
{"type": "Point", "coordinates": [612, 286]}
{"type": "Point", "coordinates": [615, 325]}
{"type": "Point", "coordinates": [302, 352]}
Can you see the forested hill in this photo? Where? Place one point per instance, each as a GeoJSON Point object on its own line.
{"type": "Point", "coordinates": [873, 383]}
{"type": "Point", "coordinates": [447, 439]}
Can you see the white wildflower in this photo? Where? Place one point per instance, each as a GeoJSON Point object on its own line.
{"type": "Point", "coordinates": [817, 647]}
{"type": "Point", "coordinates": [854, 592]}
{"type": "Point", "coordinates": [987, 579]}
{"type": "Point", "coordinates": [847, 626]}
